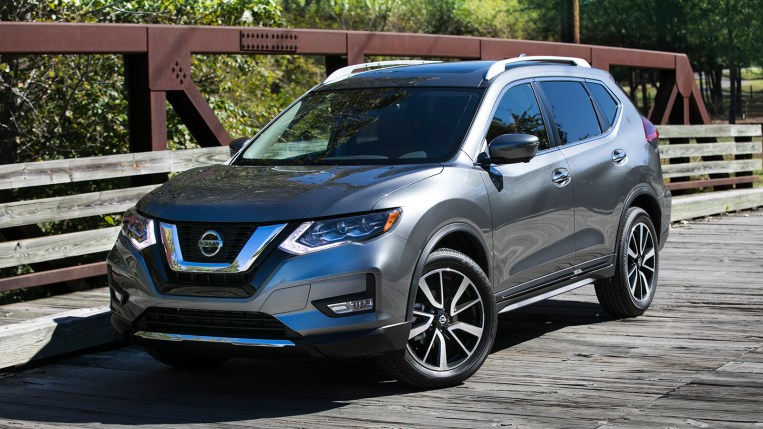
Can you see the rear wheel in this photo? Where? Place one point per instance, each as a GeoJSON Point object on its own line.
{"type": "Point", "coordinates": [184, 360]}
{"type": "Point", "coordinates": [630, 292]}
{"type": "Point", "coordinates": [454, 324]}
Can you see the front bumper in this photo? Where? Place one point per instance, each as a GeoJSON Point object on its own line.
{"type": "Point", "coordinates": [293, 292]}
{"type": "Point", "coordinates": [383, 340]}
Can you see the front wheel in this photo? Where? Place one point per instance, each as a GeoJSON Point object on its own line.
{"type": "Point", "coordinates": [454, 324]}
{"type": "Point", "coordinates": [630, 292]}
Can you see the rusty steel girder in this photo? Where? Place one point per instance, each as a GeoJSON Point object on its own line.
{"type": "Point", "coordinates": [158, 64]}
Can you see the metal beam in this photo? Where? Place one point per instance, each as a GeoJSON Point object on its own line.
{"type": "Point", "coordinates": [52, 276]}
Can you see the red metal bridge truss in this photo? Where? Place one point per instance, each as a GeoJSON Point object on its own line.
{"type": "Point", "coordinates": [157, 62]}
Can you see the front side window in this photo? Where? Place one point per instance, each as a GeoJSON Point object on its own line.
{"type": "Point", "coordinates": [368, 126]}
{"type": "Point", "coordinates": [572, 111]}
{"type": "Point", "coordinates": [518, 113]}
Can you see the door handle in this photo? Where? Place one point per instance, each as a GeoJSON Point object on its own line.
{"type": "Point", "coordinates": [561, 177]}
{"type": "Point", "coordinates": [619, 157]}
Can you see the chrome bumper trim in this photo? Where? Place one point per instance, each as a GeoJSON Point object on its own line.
{"type": "Point", "coordinates": [248, 342]}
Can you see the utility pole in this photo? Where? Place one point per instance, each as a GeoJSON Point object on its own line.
{"type": "Point", "coordinates": [570, 21]}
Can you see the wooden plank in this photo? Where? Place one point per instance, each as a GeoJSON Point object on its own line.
{"type": "Point", "coordinates": [70, 207]}
{"type": "Point", "coordinates": [81, 169]}
{"type": "Point", "coordinates": [23, 311]}
{"type": "Point", "coordinates": [700, 205]}
{"type": "Point", "coordinates": [106, 167]}
{"type": "Point", "coordinates": [705, 131]}
{"type": "Point", "coordinates": [710, 167]}
{"type": "Point", "coordinates": [60, 246]}
{"type": "Point", "coordinates": [668, 151]}
{"type": "Point", "coordinates": [55, 335]}
{"type": "Point", "coordinates": [695, 184]}
{"type": "Point", "coordinates": [182, 160]}
{"type": "Point", "coordinates": [52, 276]}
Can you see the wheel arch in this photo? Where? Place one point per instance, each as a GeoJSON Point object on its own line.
{"type": "Point", "coordinates": [459, 236]}
{"type": "Point", "coordinates": [647, 200]}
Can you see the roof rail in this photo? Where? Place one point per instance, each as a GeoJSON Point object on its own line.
{"type": "Point", "coordinates": [345, 72]}
{"type": "Point", "coordinates": [500, 66]}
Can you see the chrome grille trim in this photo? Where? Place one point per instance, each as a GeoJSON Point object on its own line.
{"type": "Point", "coordinates": [259, 240]}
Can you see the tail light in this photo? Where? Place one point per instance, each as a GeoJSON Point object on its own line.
{"type": "Point", "coordinates": [651, 133]}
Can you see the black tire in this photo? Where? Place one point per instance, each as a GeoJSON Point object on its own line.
{"type": "Point", "coordinates": [630, 292]}
{"type": "Point", "coordinates": [185, 361]}
{"type": "Point", "coordinates": [460, 351]}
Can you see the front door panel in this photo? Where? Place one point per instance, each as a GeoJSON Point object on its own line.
{"type": "Point", "coordinates": [533, 220]}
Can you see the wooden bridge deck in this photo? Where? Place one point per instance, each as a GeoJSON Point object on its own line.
{"type": "Point", "coordinates": [694, 360]}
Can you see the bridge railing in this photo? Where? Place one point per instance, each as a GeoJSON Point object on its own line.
{"type": "Point", "coordinates": [724, 159]}
{"type": "Point", "coordinates": [55, 247]}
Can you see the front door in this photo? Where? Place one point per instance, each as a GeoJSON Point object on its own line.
{"type": "Point", "coordinates": [531, 203]}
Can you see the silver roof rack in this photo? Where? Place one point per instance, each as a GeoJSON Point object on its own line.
{"type": "Point", "coordinates": [345, 72]}
{"type": "Point", "coordinates": [500, 66]}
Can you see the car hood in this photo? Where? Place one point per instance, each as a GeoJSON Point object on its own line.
{"type": "Point", "coordinates": [229, 193]}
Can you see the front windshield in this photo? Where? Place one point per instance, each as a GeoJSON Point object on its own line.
{"type": "Point", "coordinates": [367, 126]}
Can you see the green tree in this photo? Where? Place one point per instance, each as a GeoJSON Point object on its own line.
{"type": "Point", "coordinates": [489, 18]}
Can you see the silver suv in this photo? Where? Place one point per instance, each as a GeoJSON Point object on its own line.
{"type": "Point", "coordinates": [393, 212]}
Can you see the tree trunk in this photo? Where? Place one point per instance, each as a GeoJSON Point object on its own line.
{"type": "Point", "coordinates": [8, 128]}
{"type": "Point", "coordinates": [733, 108]}
{"type": "Point", "coordinates": [718, 90]}
{"type": "Point", "coordinates": [570, 11]}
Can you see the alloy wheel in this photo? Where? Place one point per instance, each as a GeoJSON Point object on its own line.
{"type": "Point", "coordinates": [641, 263]}
{"type": "Point", "coordinates": [448, 320]}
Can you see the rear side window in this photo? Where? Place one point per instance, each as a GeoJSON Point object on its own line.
{"type": "Point", "coordinates": [518, 113]}
{"type": "Point", "coordinates": [607, 104]}
{"type": "Point", "coordinates": [572, 111]}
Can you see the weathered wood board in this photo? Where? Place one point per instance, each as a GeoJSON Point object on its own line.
{"type": "Point", "coordinates": [70, 207]}
{"type": "Point", "coordinates": [105, 167]}
{"type": "Point", "coordinates": [692, 361]}
{"type": "Point", "coordinates": [711, 203]}
{"type": "Point", "coordinates": [33, 250]}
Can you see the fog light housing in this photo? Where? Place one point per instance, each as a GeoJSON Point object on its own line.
{"type": "Point", "coordinates": [352, 306]}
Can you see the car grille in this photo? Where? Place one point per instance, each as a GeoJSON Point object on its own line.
{"type": "Point", "coordinates": [230, 324]}
{"type": "Point", "coordinates": [234, 238]}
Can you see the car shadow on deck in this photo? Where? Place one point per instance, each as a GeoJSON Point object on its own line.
{"type": "Point", "coordinates": [528, 323]}
{"type": "Point", "coordinates": [126, 386]}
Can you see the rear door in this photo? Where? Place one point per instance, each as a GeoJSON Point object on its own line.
{"type": "Point", "coordinates": [598, 163]}
{"type": "Point", "coordinates": [532, 215]}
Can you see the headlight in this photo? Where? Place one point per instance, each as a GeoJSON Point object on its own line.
{"type": "Point", "coordinates": [138, 229]}
{"type": "Point", "coordinates": [319, 235]}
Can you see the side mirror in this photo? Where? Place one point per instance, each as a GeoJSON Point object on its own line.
{"type": "Point", "coordinates": [512, 148]}
{"type": "Point", "coordinates": [236, 144]}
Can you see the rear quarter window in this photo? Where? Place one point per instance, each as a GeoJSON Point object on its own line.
{"type": "Point", "coordinates": [572, 110]}
{"type": "Point", "coordinates": [606, 102]}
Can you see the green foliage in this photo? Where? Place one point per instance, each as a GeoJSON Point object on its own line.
{"type": "Point", "coordinates": [488, 18]}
